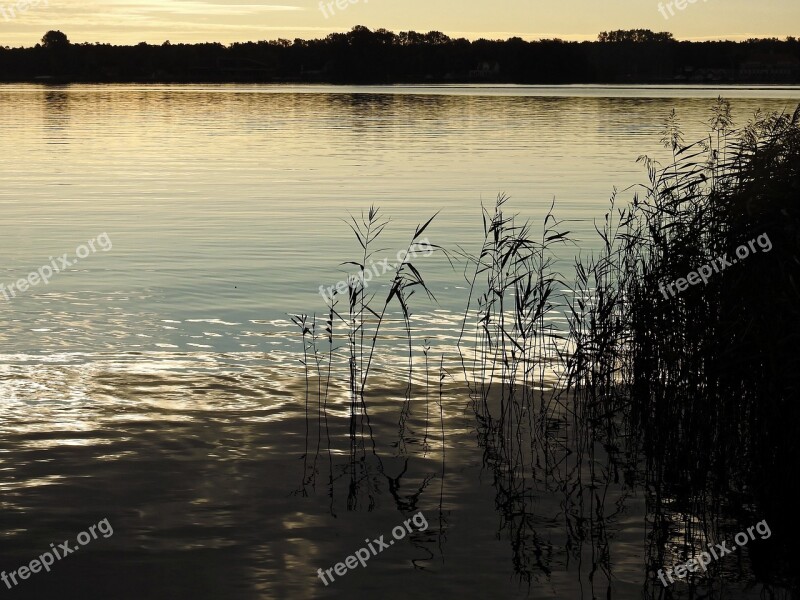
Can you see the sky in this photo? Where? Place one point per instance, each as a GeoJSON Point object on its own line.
{"type": "Point", "coordinates": [226, 21]}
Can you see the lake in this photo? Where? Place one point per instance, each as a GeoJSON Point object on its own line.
{"type": "Point", "coordinates": [156, 379]}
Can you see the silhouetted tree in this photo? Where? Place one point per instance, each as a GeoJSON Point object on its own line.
{"type": "Point", "coordinates": [381, 56]}
{"type": "Point", "coordinates": [634, 35]}
{"type": "Point", "coordinates": [55, 39]}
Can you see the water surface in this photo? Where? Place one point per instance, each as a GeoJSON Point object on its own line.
{"type": "Point", "coordinates": [158, 384]}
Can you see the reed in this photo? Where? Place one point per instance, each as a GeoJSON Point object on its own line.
{"type": "Point", "coordinates": [691, 398]}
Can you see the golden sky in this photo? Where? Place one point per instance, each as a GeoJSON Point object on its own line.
{"type": "Point", "coordinates": [154, 21]}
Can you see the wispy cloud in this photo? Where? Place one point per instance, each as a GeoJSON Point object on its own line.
{"type": "Point", "coordinates": [179, 8]}
{"type": "Point", "coordinates": [150, 20]}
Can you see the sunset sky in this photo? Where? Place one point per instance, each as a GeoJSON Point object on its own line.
{"type": "Point", "coordinates": [154, 21]}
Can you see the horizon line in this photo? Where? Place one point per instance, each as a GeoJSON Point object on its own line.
{"type": "Point", "coordinates": [501, 36]}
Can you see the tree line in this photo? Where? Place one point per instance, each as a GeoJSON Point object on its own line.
{"type": "Point", "coordinates": [363, 56]}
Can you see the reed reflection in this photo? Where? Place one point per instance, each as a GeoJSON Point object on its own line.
{"type": "Point", "coordinates": [629, 393]}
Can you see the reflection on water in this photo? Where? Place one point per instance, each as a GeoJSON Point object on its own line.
{"type": "Point", "coordinates": [211, 194]}
{"type": "Point", "coordinates": [160, 385]}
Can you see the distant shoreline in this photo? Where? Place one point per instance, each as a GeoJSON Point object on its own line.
{"type": "Point", "coordinates": [56, 81]}
{"type": "Point", "coordinates": [381, 57]}
{"type": "Point", "coordinates": [649, 90]}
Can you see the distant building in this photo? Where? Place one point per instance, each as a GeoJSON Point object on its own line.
{"type": "Point", "coordinates": [486, 70]}
{"type": "Point", "coordinates": [234, 69]}
{"type": "Point", "coordinates": [771, 69]}
{"type": "Point", "coordinates": [692, 75]}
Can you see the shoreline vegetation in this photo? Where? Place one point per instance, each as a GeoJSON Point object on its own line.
{"type": "Point", "coordinates": [689, 402]}
{"type": "Point", "coordinates": [363, 56]}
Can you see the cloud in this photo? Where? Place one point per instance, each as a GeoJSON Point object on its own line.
{"type": "Point", "coordinates": [183, 8]}
{"type": "Point", "coordinates": [113, 20]}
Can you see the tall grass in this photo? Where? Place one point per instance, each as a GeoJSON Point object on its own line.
{"type": "Point", "coordinates": [577, 378]}
{"type": "Point", "coordinates": [353, 324]}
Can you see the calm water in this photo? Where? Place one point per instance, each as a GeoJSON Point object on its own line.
{"type": "Point", "coordinates": [158, 384]}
